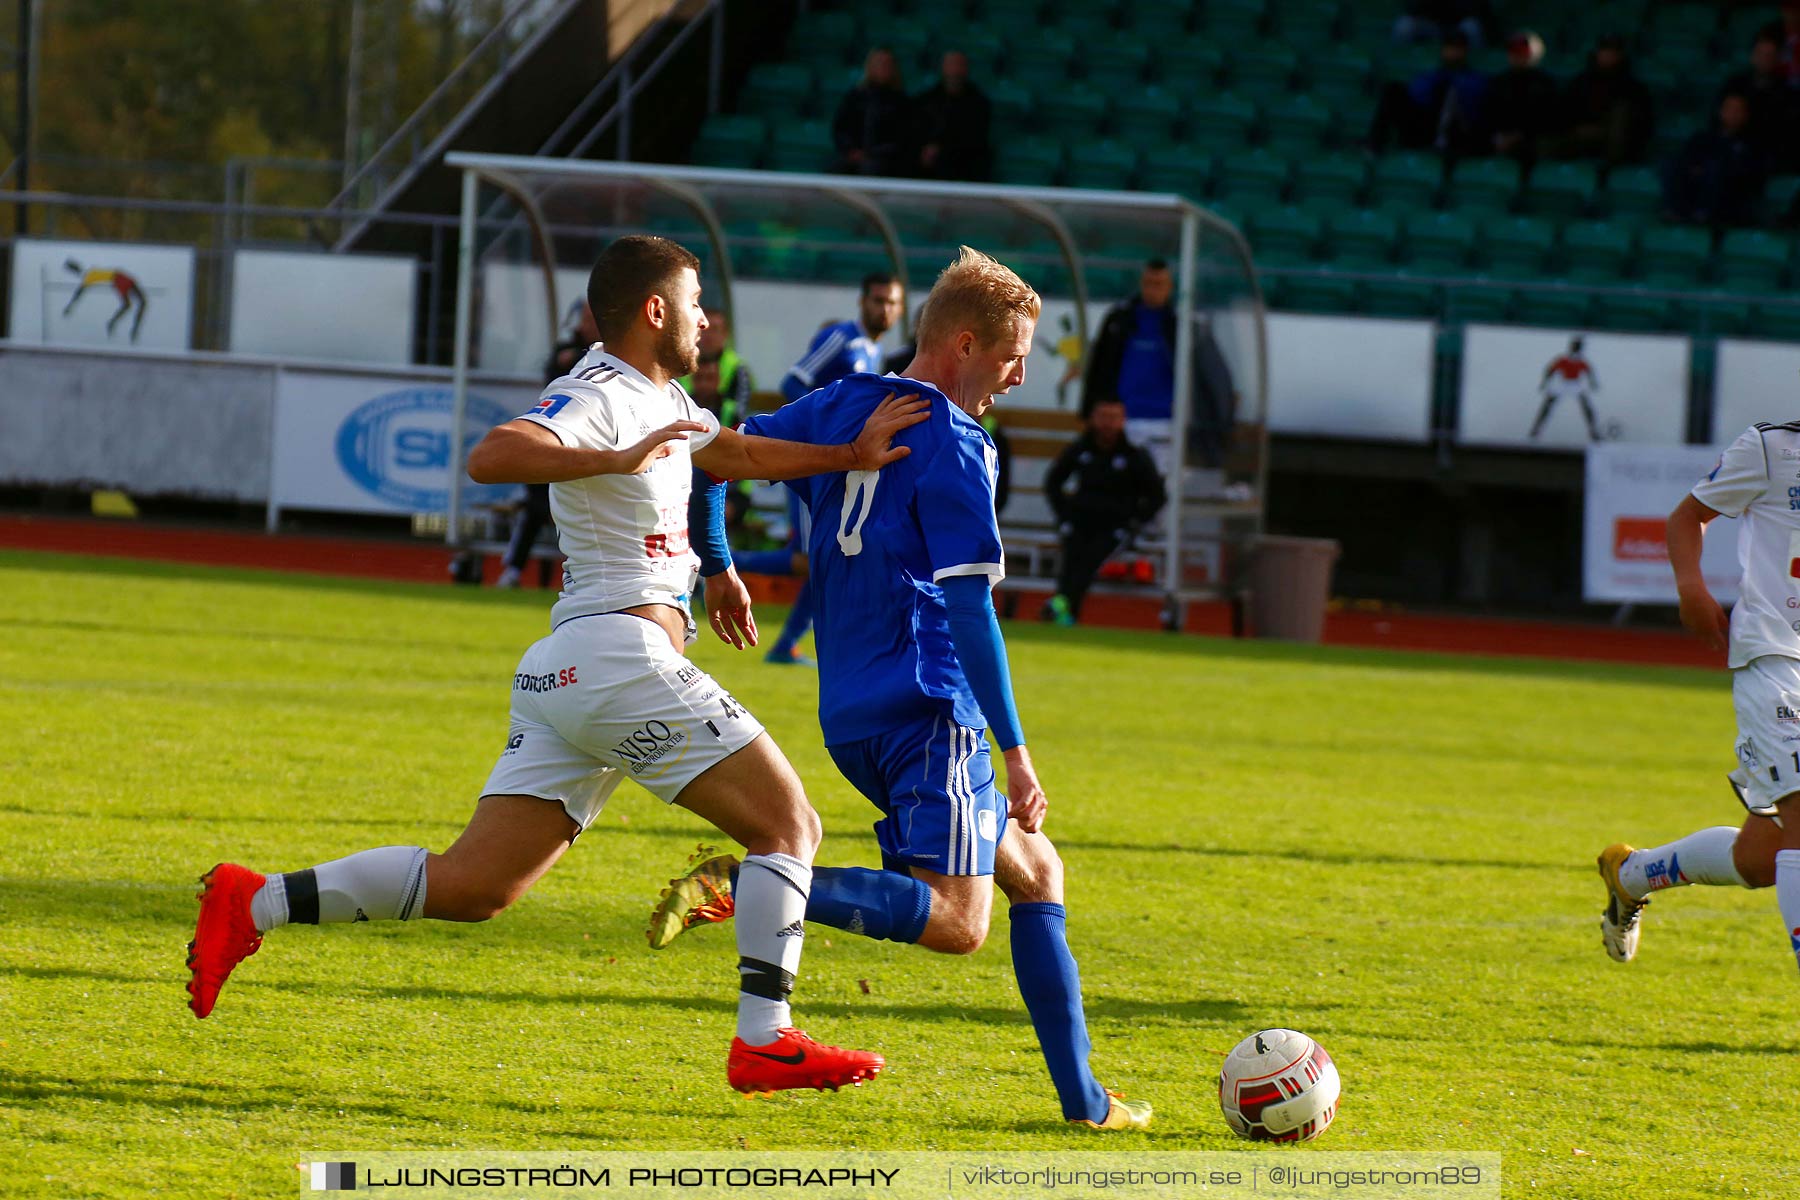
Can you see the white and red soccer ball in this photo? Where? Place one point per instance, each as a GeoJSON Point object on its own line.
{"type": "Point", "coordinates": [1278, 1086]}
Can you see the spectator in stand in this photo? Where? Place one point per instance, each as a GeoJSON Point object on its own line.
{"type": "Point", "coordinates": [1103, 489]}
{"type": "Point", "coordinates": [1521, 100]}
{"type": "Point", "coordinates": [1606, 109]}
{"type": "Point", "coordinates": [1425, 20]}
{"type": "Point", "coordinates": [733, 383]}
{"type": "Point", "coordinates": [874, 130]}
{"type": "Point", "coordinates": [1717, 178]}
{"type": "Point", "coordinates": [954, 118]}
{"type": "Point", "coordinates": [1133, 361]}
{"type": "Point", "coordinates": [1439, 108]}
{"type": "Point", "coordinates": [1773, 109]}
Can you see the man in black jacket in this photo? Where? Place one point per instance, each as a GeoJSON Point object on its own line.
{"type": "Point", "coordinates": [954, 116]}
{"type": "Point", "coordinates": [1133, 361]}
{"type": "Point", "coordinates": [1102, 489]}
{"type": "Point", "coordinates": [874, 130]}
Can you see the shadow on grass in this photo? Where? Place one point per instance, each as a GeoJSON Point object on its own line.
{"type": "Point", "coordinates": [164, 1093]}
{"type": "Point", "coordinates": [1323, 857]}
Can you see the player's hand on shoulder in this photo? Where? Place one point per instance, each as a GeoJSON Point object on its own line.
{"type": "Point", "coordinates": [638, 457]}
{"type": "Point", "coordinates": [874, 446]}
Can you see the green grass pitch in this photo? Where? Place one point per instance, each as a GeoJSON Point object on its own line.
{"type": "Point", "coordinates": [1392, 852]}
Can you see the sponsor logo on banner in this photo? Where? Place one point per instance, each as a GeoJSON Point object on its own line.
{"type": "Point", "coordinates": [1640, 539]}
{"type": "Point", "coordinates": [398, 447]}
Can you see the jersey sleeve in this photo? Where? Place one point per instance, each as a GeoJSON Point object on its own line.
{"type": "Point", "coordinates": [581, 417]}
{"type": "Point", "coordinates": [956, 510]}
{"type": "Point", "coordinates": [1741, 477]}
{"type": "Point", "coordinates": [792, 422]}
{"type": "Point", "coordinates": [824, 350]}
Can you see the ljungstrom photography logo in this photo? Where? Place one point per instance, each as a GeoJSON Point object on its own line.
{"type": "Point", "coordinates": [333, 1176]}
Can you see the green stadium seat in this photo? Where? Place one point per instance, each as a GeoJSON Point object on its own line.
{"type": "Point", "coordinates": [1683, 24]}
{"type": "Point", "coordinates": [731, 141]}
{"type": "Point", "coordinates": [1561, 189]}
{"type": "Point", "coordinates": [1408, 180]}
{"type": "Point", "coordinates": [1516, 247]}
{"type": "Point", "coordinates": [1192, 65]}
{"type": "Point", "coordinates": [1147, 115]}
{"type": "Point", "coordinates": [1118, 65]}
{"type": "Point", "coordinates": [1636, 313]}
{"type": "Point", "coordinates": [1754, 259]}
{"type": "Point", "coordinates": [801, 146]}
{"type": "Point", "coordinates": [1108, 164]}
{"type": "Point", "coordinates": [1400, 296]}
{"type": "Point", "coordinates": [1472, 303]}
{"type": "Point", "coordinates": [1181, 169]}
{"type": "Point", "coordinates": [1484, 184]}
{"type": "Point", "coordinates": [1033, 161]}
{"type": "Point", "coordinates": [1674, 256]}
{"type": "Point", "coordinates": [1335, 179]}
{"type": "Point", "coordinates": [1013, 104]}
{"type": "Point", "coordinates": [1719, 316]}
{"type": "Point", "coordinates": [827, 33]}
{"type": "Point", "coordinates": [1087, 24]}
{"type": "Point", "coordinates": [1286, 236]}
{"type": "Point", "coordinates": [1221, 121]}
{"type": "Point", "coordinates": [1159, 22]}
{"type": "Point", "coordinates": [785, 259]}
{"type": "Point", "coordinates": [1342, 69]}
{"type": "Point", "coordinates": [1309, 26]}
{"type": "Point", "coordinates": [1075, 111]}
{"type": "Point", "coordinates": [1440, 242]}
{"type": "Point", "coordinates": [1362, 238]}
{"type": "Point", "coordinates": [779, 89]}
{"type": "Point", "coordinates": [1254, 177]}
{"type": "Point", "coordinates": [1234, 20]}
{"type": "Point", "coordinates": [1597, 251]}
{"type": "Point", "coordinates": [1013, 14]}
{"type": "Point", "coordinates": [1261, 68]}
{"type": "Point", "coordinates": [1296, 126]}
{"type": "Point", "coordinates": [1777, 322]}
{"type": "Point", "coordinates": [1779, 195]}
{"type": "Point", "coordinates": [1550, 306]}
{"type": "Point", "coordinates": [938, 14]}
{"type": "Point", "coordinates": [1320, 294]}
{"type": "Point", "coordinates": [1633, 192]}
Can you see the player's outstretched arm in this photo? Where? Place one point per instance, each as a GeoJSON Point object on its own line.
{"type": "Point", "coordinates": [733, 455]}
{"type": "Point", "coordinates": [1700, 612]}
{"type": "Point", "coordinates": [526, 452]}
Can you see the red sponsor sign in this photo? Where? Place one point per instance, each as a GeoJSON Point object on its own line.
{"type": "Point", "coordinates": [1640, 539]}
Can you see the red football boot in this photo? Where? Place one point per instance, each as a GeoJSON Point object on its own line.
{"type": "Point", "coordinates": [794, 1060]}
{"type": "Point", "coordinates": [225, 935]}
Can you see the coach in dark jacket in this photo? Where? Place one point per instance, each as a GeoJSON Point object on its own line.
{"type": "Point", "coordinates": [954, 116]}
{"type": "Point", "coordinates": [1102, 489]}
{"type": "Point", "coordinates": [1132, 360]}
{"type": "Point", "coordinates": [875, 128]}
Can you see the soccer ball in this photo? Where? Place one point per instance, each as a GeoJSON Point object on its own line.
{"type": "Point", "coordinates": [1278, 1086]}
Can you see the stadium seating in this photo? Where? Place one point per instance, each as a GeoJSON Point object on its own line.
{"type": "Point", "coordinates": [1257, 107]}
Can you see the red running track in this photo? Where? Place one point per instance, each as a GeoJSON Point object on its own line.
{"type": "Point", "coordinates": [425, 562]}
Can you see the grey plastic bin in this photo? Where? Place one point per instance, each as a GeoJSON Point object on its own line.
{"type": "Point", "coordinates": [1290, 583]}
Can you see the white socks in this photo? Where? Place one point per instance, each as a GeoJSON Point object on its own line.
{"type": "Point", "coordinates": [376, 885]}
{"type": "Point", "coordinates": [1787, 894]}
{"type": "Point", "coordinates": [1703, 857]}
{"type": "Point", "coordinates": [770, 920]}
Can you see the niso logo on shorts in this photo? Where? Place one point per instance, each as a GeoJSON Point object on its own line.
{"type": "Point", "coordinates": [651, 745]}
{"type": "Point", "coordinates": [544, 683]}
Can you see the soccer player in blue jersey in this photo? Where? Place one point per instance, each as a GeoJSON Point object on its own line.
{"type": "Point", "coordinates": [914, 676]}
{"type": "Point", "coordinates": [840, 349]}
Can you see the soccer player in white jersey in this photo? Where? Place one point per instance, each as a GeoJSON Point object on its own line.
{"type": "Point", "coordinates": [608, 693]}
{"type": "Point", "coordinates": [1755, 481]}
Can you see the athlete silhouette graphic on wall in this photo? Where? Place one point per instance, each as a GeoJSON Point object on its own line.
{"type": "Point", "coordinates": [1568, 374]}
{"type": "Point", "coordinates": [124, 285]}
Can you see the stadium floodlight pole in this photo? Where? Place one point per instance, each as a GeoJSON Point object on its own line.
{"type": "Point", "coordinates": [459, 388]}
{"type": "Point", "coordinates": [1184, 401]}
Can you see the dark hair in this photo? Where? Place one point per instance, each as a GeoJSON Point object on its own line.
{"type": "Point", "coordinates": [629, 272]}
{"type": "Point", "coordinates": [875, 279]}
{"type": "Point", "coordinates": [1156, 264]}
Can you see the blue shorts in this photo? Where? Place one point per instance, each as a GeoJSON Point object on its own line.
{"type": "Point", "coordinates": [934, 783]}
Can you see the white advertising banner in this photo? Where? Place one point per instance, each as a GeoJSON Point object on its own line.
{"type": "Point", "coordinates": [1630, 492]}
{"type": "Point", "coordinates": [355, 308]}
{"type": "Point", "coordinates": [1754, 382]}
{"type": "Point", "coordinates": [1362, 377]}
{"type": "Point", "coordinates": [125, 295]}
{"type": "Point", "coordinates": [1562, 390]}
{"type": "Point", "coordinates": [379, 443]}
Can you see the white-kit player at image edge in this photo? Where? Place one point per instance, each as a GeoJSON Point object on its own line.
{"type": "Point", "coordinates": [1757, 481]}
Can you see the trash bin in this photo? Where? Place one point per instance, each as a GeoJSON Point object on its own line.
{"type": "Point", "coordinates": [1290, 582]}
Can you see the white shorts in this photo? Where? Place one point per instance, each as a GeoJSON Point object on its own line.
{"type": "Point", "coordinates": [605, 698]}
{"type": "Point", "coordinates": [1766, 694]}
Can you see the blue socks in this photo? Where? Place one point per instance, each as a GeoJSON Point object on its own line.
{"type": "Point", "coordinates": [1051, 986]}
{"type": "Point", "coordinates": [884, 905]}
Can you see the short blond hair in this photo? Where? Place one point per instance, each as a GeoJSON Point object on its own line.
{"type": "Point", "coordinates": [978, 294]}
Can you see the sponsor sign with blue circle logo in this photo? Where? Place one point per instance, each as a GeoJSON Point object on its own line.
{"type": "Point", "coordinates": [398, 447]}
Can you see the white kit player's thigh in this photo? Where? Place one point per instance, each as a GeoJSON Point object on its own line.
{"type": "Point", "coordinates": [1766, 696]}
{"type": "Point", "coordinates": [634, 704]}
